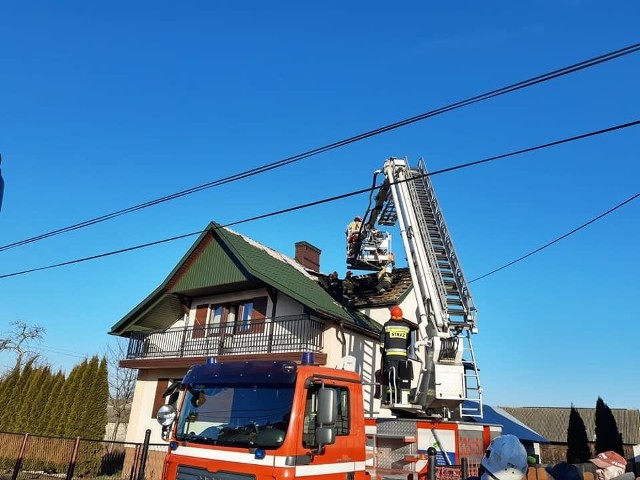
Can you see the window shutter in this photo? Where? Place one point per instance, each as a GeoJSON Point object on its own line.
{"type": "Point", "coordinates": [158, 399]}
{"type": "Point", "coordinates": [258, 314]}
{"type": "Point", "coordinates": [200, 324]}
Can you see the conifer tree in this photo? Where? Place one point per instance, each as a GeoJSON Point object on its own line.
{"type": "Point", "coordinates": [578, 450]}
{"type": "Point", "coordinates": [94, 417]}
{"type": "Point", "coordinates": [608, 437]}
{"type": "Point", "coordinates": [58, 414]}
{"type": "Point", "coordinates": [38, 399]}
{"type": "Point", "coordinates": [78, 398]}
{"type": "Point", "coordinates": [30, 386]}
{"type": "Point", "coordinates": [8, 398]}
{"type": "Point", "coordinates": [14, 423]}
{"type": "Point", "coordinates": [54, 389]}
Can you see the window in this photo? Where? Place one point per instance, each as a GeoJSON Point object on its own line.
{"type": "Point", "coordinates": [251, 316]}
{"type": "Point", "coordinates": [210, 320]}
{"type": "Point", "coordinates": [310, 424]}
{"type": "Point", "coordinates": [246, 316]}
{"type": "Point", "coordinates": [219, 315]}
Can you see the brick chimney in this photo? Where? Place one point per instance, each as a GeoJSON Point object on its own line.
{"type": "Point", "coordinates": [308, 256]}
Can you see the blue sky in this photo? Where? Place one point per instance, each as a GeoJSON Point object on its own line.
{"type": "Point", "coordinates": [109, 105]}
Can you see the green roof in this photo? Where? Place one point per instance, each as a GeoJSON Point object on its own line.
{"type": "Point", "coordinates": [221, 261]}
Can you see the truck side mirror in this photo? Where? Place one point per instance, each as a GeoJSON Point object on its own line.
{"type": "Point", "coordinates": [327, 406]}
{"type": "Point", "coordinates": [326, 417]}
{"type": "Point", "coordinates": [325, 435]}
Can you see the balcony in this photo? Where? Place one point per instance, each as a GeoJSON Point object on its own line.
{"type": "Point", "coordinates": [296, 333]}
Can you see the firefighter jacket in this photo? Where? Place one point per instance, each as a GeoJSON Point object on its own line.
{"type": "Point", "coordinates": [395, 339]}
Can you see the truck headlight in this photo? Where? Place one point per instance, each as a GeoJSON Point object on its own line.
{"type": "Point", "coordinates": [166, 415]}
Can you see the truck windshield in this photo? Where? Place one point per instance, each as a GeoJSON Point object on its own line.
{"type": "Point", "coordinates": [236, 415]}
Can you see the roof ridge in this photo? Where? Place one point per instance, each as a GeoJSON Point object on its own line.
{"type": "Point", "coordinates": [274, 253]}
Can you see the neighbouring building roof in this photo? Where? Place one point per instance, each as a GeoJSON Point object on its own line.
{"type": "Point", "coordinates": [221, 260]}
{"type": "Point", "coordinates": [509, 424]}
{"type": "Point", "coordinates": [553, 422]}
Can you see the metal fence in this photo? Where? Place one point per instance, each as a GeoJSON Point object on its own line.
{"type": "Point", "coordinates": [295, 333]}
{"type": "Point", "coordinates": [38, 457]}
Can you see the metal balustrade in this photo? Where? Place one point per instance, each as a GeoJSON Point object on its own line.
{"type": "Point", "coordinates": [295, 333]}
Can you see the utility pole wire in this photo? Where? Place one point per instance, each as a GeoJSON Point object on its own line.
{"type": "Point", "coordinates": [562, 237]}
{"type": "Point", "coordinates": [316, 151]}
{"type": "Point", "coordinates": [358, 192]}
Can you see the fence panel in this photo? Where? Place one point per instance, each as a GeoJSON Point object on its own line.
{"type": "Point", "coordinates": [36, 457]}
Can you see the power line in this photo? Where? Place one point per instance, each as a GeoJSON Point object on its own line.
{"type": "Point", "coordinates": [62, 352]}
{"type": "Point", "coordinates": [562, 237]}
{"type": "Point", "coordinates": [102, 255]}
{"type": "Point", "coordinates": [350, 194]}
{"type": "Point", "coordinates": [316, 151]}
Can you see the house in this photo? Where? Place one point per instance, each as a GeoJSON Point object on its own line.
{"type": "Point", "coordinates": [553, 424]}
{"type": "Point", "coordinates": [231, 297]}
{"type": "Point", "coordinates": [531, 439]}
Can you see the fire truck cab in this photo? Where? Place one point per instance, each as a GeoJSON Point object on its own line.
{"type": "Point", "coordinates": [283, 420]}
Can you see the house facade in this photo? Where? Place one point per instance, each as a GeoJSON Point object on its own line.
{"type": "Point", "coordinates": [230, 297]}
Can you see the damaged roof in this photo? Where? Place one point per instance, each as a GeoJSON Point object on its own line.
{"type": "Point", "coordinates": [366, 294]}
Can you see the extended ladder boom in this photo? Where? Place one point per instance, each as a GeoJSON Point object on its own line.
{"type": "Point", "coordinates": [445, 308]}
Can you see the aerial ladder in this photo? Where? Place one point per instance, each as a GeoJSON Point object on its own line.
{"type": "Point", "coordinates": [448, 383]}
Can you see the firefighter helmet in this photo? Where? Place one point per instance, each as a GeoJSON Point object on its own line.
{"type": "Point", "coordinates": [396, 313]}
{"type": "Point", "coordinates": [506, 458]}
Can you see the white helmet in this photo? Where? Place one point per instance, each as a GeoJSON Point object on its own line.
{"type": "Point", "coordinates": [506, 458]}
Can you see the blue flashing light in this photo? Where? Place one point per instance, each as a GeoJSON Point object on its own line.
{"type": "Point", "coordinates": [173, 445]}
{"type": "Point", "coordinates": [212, 360]}
{"type": "Point", "coordinates": [307, 358]}
{"type": "Point", "coordinates": [259, 453]}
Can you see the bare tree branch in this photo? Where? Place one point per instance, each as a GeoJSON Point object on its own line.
{"type": "Point", "coordinates": [19, 339]}
{"type": "Point", "coordinates": [122, 383]}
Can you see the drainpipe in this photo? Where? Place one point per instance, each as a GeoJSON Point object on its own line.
{"type": "Point", "coordinates": [273, 296]}
{"type": "Point", "coordinates": [185, 302]}
{"type": "Point", "coordinates": [342, 337]}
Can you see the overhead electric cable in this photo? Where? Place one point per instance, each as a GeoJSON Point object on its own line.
{"type": "Point", "coordinates": [61, 352]}
{"type": "Point", "coordinates": [350, 194]}
{"type": "Point", "coordinates": [286, 161]}
{"type": "Point", "coordinates": [562, 237]}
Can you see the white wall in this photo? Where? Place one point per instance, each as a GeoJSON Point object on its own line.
{"type": "Point", "coordinates": [287, 306]}
{"type": "Point", "coordinates": [141, 415]}
{"type": "Point", "coordinates": [340, 343]}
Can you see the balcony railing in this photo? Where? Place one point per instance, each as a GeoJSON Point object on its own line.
{"type": "Point", "coordinates": [296, 333]}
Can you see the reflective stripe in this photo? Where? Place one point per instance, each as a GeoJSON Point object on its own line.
{"type": "Point", "coordinates": [328, 468]}
{"type": "Point", "coordinates": [396, 352]}
{"type": "Point", "coordinates": [246, 459]}
{"type": "Point", "coordinates": [396, 329]}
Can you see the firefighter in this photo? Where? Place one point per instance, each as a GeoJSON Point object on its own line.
{"type": "Point", "coordinates": [354, 226]}
{"type": "Point", "coordinates": [395, 341]}
{"type": "Point", "coordinates": [384, 278]}
{"type": "Point", "coordinates": [348, 286]}
{"type": "Point", "coordinates": [353, 233]}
